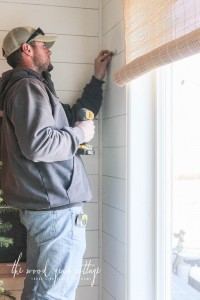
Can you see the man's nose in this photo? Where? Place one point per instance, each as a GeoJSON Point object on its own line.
{"type": "Point", "coordinates": [49, 51]}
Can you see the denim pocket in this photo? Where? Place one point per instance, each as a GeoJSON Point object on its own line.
{"type": "Point", "coordinates": [40, 224]}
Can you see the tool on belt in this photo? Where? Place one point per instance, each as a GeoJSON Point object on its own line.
{"type": "Point", "coordinates": [81, 220]}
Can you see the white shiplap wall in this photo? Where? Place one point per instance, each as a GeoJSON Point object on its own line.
{"type": "Point", "coordinates": [76, 24]}
{"type": "Point", "coordinates": [114, 149]}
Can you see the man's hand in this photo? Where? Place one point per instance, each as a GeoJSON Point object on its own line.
{"type": "Point", "coordinates": [88, 129]}
{"type": "Point", "coordinates": [101, 63]}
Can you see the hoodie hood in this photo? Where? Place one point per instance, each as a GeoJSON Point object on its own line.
{"type": "Point", "coordinates": [9, 78]}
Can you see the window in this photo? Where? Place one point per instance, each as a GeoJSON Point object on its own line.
{"type": "Point", "coordinates": [178, 181]}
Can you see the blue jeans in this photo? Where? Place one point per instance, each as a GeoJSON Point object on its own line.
{"type": "Point", "coordinates": [55, 248]}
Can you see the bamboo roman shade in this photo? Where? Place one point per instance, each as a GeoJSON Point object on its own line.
{"type": "Point", "coordinates": [158, 32]}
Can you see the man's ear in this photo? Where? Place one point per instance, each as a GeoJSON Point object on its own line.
{"type": "Point", "coordinates": [26, 48]}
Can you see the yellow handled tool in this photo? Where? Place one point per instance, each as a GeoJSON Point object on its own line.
{"type": "Point", "coordinates": [85, 148]}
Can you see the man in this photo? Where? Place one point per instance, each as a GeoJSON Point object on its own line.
{"type": "Point", "coordinates": [41, 174]}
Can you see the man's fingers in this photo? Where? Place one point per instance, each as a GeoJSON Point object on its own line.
{"type": "Point", "coordinates": [104, 54]}
{"type": "Point", "coordinates": [101, 63]}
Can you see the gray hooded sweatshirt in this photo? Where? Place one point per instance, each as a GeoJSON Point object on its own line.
{"type": "Point", "coordinates": [39, 142]}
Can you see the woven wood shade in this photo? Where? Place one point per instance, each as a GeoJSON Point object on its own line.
{"type": "Point", "coordinates": [158, 32]}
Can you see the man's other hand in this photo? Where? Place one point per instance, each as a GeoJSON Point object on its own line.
{"type": "Point", "coordinates": [88, 129]}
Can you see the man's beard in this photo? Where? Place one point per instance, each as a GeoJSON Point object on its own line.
{"type": "Point", "coordinates": [50, 67]}
{"type": "Point", "coordinates": [42, 67]}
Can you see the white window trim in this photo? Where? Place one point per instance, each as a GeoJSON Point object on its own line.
{"type": "Point", "coordinates": [164, 184]}
{"type": "Point", "coordinates": [141, 142]}
{"type": "Point", "coordinates": [149, 227]}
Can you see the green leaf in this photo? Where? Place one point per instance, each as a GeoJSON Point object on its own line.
{"type": "Point", "coordinates": [4, 227]}
{"type": "Point", "coordinates": [5, 242]}
{"type": "Point", "coordinates": [7, 294]}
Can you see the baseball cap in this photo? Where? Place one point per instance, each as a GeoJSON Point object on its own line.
{"type": "Point", "coordinates": [20, 35]}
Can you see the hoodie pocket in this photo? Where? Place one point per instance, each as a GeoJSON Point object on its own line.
{"type": "Point", "coordinates": [79, 190]}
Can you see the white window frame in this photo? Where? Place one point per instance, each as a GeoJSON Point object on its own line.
{"type": "Point", "coordinates": [141, 141]}
{"type": "Point", "coordinates": [164, 184]}
{"type": "Point", "coordinates": [149, 194]}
